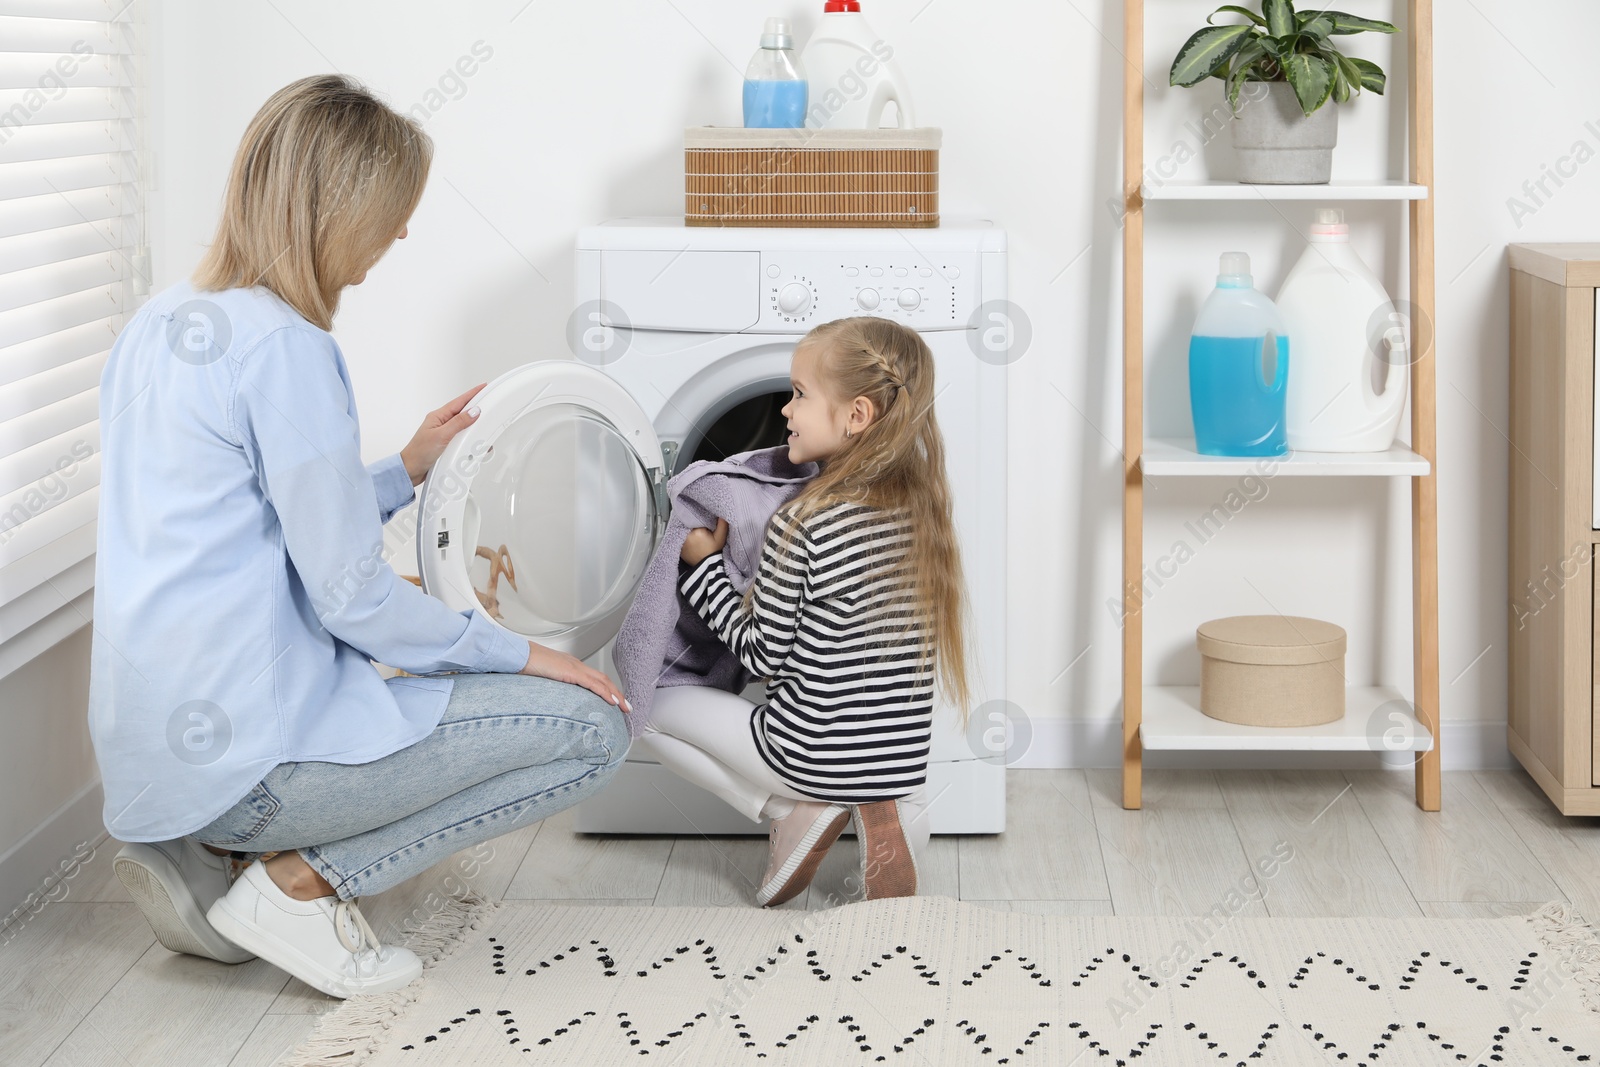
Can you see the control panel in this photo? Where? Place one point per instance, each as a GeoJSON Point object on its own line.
{"type": "Point", "coordinates": [924, 290]}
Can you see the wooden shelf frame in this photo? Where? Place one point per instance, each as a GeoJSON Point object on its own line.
{"type": "Point", "coordinates": [1424, 487]}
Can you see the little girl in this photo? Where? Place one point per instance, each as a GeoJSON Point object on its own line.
{"type": "Point", "coordinates": [856, 608]}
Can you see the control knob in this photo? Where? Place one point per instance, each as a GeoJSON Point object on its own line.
{"type": "Point", "coordinates": [794, 299]}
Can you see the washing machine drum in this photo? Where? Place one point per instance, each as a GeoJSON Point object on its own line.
{"type": "Point", "coordinates": [545, 512]}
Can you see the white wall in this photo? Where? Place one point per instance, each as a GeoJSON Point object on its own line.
{"type": "Point", "coordinates": [50, 799]}
{"type": "Point", "coordinates": [578, 114]}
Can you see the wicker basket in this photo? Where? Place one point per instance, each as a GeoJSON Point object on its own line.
{"type": "Point", "coordinates": [739, 177]}
{"type": "Point", "coordinates": [1271, 670]}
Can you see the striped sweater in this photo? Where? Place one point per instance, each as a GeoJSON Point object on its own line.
{"type": "Point", "coordinates": [849, 712]}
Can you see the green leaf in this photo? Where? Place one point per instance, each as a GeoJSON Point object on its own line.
{"type": "Point", "coordinates": [1244, 63]}
{"type": "Point", "coordinates": [1347, 24]}
{"type": "Point", "coordinates": [1317, 28]}
{"type": "Point", "coordinates": [1237, 10]}
{"type": "Point", "coordinates": [1236, 85]}
{"type": "Point", "coordinates": [1341, 84]}
{"type": "Point", "coordinates": [1251, 54]}
{"type": "Point", "coordinates": [1301, 41]}
{"type": "Point", "coordinates": [1311, 79]}
{"type": "Point", "coordinates": [1351, 72]}
{"type": "Point", "coordinates": [1280, 17]}
{"type": "Point", "coordinates": [1371, 75]}
{"type": "Point", "coordinates": [1207, 50]}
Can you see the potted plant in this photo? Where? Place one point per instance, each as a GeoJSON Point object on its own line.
{"type": "Point", "coordinates": [1285, 135]}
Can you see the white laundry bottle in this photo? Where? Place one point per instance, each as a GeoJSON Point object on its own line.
{"type": "Point", "coordinates": [1341, 321]}
{"type": "Point", "coordinates": [852, 73]}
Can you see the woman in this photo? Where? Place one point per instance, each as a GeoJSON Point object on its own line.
{"type": "Point", "coordinates": [242, 594]}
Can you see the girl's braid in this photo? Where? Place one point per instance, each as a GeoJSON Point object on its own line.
{"type": "Point", "coordinates": [881, 361]}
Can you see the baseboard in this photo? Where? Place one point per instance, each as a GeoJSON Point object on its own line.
{"type": "Point", "coordinates": [1465, 745]}
{"type": "Point", "coordinates": [41, 865]}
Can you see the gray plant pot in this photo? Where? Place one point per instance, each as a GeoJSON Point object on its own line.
{"type": "Point", "coordinates": [1277, 143]}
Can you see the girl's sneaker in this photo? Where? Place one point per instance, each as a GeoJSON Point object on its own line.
{"type": "Point", "coordinates": [175, 883]}
{"type": "Point", "coordinates": [326, 943]}
{"type": "Point", "coordinates": [797, 843]}
{"type": "Point", "coordinates": [887, 865]}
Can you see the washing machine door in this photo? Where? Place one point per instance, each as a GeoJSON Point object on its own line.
{"type": "Point", "coordinates": [545, 512]}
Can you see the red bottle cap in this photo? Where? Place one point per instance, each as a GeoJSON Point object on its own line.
{"type": "Point", "coordinates": [841, 5]}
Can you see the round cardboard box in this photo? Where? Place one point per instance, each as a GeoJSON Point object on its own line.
{"type": "Point", "coordinates": [1271, 670]}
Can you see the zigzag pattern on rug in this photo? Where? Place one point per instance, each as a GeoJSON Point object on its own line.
{"type": "Point", "coordinates": [934, 981]}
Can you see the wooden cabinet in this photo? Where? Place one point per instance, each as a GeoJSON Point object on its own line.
{"type": "Point", "coordinates": [1553, 714]}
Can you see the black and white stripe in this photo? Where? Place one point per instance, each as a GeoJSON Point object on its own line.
{"type": "Point", "coordinates": [849, 712]}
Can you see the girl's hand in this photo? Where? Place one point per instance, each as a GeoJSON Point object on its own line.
{"type": "Point", "coordinates": [702, 542]}
{"type": "Point", "coordinates": [435, 432]}
{"type": "Point", "coordinates": [559, 667]}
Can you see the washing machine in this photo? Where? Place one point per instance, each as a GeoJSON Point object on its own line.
{"type": "Point", "coordinates": [546, 511]}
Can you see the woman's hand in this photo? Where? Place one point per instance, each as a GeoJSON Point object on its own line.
{"type": "Point", "coordinates": [702, 542]}
{"type": "Point", "coordinates": [559, 667]}
{"type": "Point", "coordinates": [435, 432]}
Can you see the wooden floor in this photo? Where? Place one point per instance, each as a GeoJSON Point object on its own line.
{"type": "Point", "coordinates": [84, 982]}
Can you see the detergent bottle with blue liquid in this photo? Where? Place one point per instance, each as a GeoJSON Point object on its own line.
{"type": "Point", "coordinates": [1238, 368]}
{"type": "Point", "coordinates": [775, 89]}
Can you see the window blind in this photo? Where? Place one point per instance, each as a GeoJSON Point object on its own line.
{"type": "Point", "coordinates": [73, 267]}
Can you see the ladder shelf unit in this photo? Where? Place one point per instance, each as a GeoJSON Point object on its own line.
{"type": "Point", "coordinates": [1169, 717]}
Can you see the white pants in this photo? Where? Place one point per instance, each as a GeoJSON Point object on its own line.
{"type": "Point", "coordinates": [703, 735]}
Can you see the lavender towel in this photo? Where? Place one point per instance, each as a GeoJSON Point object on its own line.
{"type": "Point", "coordinates": [663, 641]}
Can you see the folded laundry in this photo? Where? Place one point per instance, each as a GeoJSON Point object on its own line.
{"type": "Point", "coordinates": [663, 641]}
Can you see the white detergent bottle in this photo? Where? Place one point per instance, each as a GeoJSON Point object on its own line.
{"type": "Point", "coordinates": [852, 73]}
{"type": "Point", "coordinates": [1341, 322]}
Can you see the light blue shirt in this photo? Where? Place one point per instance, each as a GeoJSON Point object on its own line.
{"type": "Point", "coordinates": [241, 592]}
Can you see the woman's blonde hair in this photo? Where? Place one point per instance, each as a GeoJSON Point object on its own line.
{"type": "Point", "coordinates": [896, 464]}
{"type": "Point", "coordinates": [323, 181]}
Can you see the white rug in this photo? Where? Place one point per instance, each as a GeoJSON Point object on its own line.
{"type": "Point", "coordinates": [932, 981]}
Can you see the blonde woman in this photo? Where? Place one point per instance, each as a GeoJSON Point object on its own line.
{"type": "Point", "coordinates": [242, 595]}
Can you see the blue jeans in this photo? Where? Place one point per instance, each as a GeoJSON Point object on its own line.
{"type": "Point", "coordinates": [509, 750]}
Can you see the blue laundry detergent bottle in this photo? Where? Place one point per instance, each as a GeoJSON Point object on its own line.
{"type": "Point", "coordinates": [1238, 368]}
{"type": "Point", "coordinates": [774, 87]}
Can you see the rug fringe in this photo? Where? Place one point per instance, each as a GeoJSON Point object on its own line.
{"type": "Point", "coordinates": [350, 1033]}
{"type": "Point", "coordinates": [1563, 929]}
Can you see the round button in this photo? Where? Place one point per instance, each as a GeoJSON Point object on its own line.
{"type": "Point", "coordinates": [952, 272]}
{"type": "Point", "coordinates": [876, 272]}
{"type": "Point", "coordinates": [867, 298]}
{"type": "Point", "coordinates": [909, 299]}
{"type": "Point", "coordinates": [851, 272]}
{"type": "Point", "coordinates": [773, 270]}
{"type": "Point", "coordinates": [794, 298]}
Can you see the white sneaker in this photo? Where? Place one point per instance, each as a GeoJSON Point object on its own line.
{"type": "Point", "coordinates": [175, 883]}
{"type": "Point", "coordinates": [326, 943]}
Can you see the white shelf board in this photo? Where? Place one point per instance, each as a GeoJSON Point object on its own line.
{"type": "Point", "coordinates": [1171, 719]}
{"type": "Point", "coordinates": [1337, 190]}
{"type": "Point", "coordinates": [1177, 458]}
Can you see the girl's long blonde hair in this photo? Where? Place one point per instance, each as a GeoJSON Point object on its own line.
{"type": "Point", "coordinates": [324, 179]}
{"type": "Point", "coordinates": [896, 464]}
